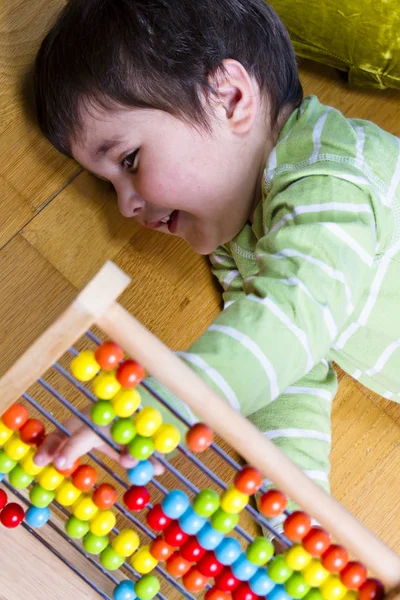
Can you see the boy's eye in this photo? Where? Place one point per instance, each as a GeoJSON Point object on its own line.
{"type": "Point", "coordinates": [129, 162]}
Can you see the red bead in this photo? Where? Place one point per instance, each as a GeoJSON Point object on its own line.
{"type": "Point", "coordinates": [194, 581]}
{"type": "Point", "coordinates": [177, 566]}
{"type": "Point", "coordinates": [130, 374]}
{"type": "Point", "coordinates": [157, 519]}
{"type": "Point", "coordinates": [216, 594]}
{"type": "Point", "coordinates": [273, 503]}
{"type": "Point", "coordinates": [3, 499]}
{"type": "Point", "coordinates": [243, 592]}
{"type": "Point", "coordinates": [32, 432]}
{"type": "Point", "coordinates": [209, 565]}
{"type": "Point", "coordinates": [174, 535]}
{"type": "Point", "coordinates": [248, 481]}
{"type": "Point", "coordinates": [15, 417]}
{"type": "Point", "coordinates": [353, 575]}
{"type": "Point", "coordinates": [84, 478]}
{"type": "Point", "coordinates": [372, 589]}
{"type": "Point", "coordinates": [192, 551]}
{"type": "Point", "coordinates": [12, 515]}
{"type": "Point", "coordinates": [335, 559]}
{"type": "Point", "coordinates": [105, 496]}
{"type": "Point", "coordinates": [109, 355]}
{"type": "Point", "coordinates": [297, 525]}
{"type": "Point", "coordinates": [68, 471]}
{"type": "Point", "coordinates": [137, 497]}
{"type": "Point", "coordinates": [317, 541]}
{"type": "Point", "coordinates": [160, 550]}
{"type": "Point", "coordinates": [199, 437]}
{"type": "Point", "coordinates": [226, 581]}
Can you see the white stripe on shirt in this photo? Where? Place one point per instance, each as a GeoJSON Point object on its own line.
{"type": "Point", "coordinates": [384, 357]}
{"type": "Point", "coordinates": [298, 433]}
{"type": "Point", "coordinates": [316, 135]}
{"type": "Point", "coordinates": [321, 393]}
{"type": "Point", "coordinates": [350, 242]}
{"type": "Point", "coordinates": [318, 208]}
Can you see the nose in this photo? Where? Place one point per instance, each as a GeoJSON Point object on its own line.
{"type": "Point", "coordinates": [130, 203]}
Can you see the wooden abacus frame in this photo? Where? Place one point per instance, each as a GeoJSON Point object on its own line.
{"type": "Point", "coordinates": [97, 305]}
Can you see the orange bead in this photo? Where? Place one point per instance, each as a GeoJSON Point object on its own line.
{"type": "Point", "coordinates": [105, 496]}
{"type": "Point", "coordinates": [335, 558]}
{"type": "Point", "coordinates": [15, 417]}
{"type": "Point", "coordinates": [272, 503]}
{"type": "Point", "coordinates": [248, 481]}
{"type": "Point", "coordinates": [216, 594]}
{"type": "Point", "coordinates": [353, 575]}
{"type": "Point", "coordinates": [69, 470]}
{"type": "Point", "coordinates": [84, 478]}
{"type": "Point", "coordinates": [109, 355]}
{"type": "Point", "coordinates": [317, 541]}
{"type": "Point", "coordinates": [32, 432]}
{"type": "Point", "coordinates": [296, 526]}
{"type": "Point", "coordinates": [130, 374]}
{"type": "Point", "coordinates": [194, 581]}
{"type": "Point", "coordinates": [199, 437]}
{"type": "Point", "coordinates": [177, 566]}
{"type": "Point", "coordinates": [161, 550]}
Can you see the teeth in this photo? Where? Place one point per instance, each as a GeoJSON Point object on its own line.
{"type": "Point", "coordinates": [166, 219]}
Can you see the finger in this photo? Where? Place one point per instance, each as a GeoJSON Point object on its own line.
{"type": "Point", "coordinates": [76, 446]}
{"type": "Point", "coordinates": [126, 460]}
{"type": "Point", "coordinates": [49, 448]}
{"type": "Point", "coordinates": [159, 469]}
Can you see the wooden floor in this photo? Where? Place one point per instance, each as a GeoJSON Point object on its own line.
{"type": "Point", "coordinates": [58, 226]}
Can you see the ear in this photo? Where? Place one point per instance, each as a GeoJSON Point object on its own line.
{"type": "Point", "coordinates": [237, 95]}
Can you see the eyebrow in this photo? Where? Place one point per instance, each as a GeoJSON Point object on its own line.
{"type": "Point", "coordinates": [105, 147]}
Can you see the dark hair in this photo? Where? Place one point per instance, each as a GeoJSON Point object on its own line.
{"type": "Point", "coordinates": [156, 54]}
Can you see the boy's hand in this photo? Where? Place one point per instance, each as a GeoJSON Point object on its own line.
{"type": "Point", "coordinates": [63, 451]}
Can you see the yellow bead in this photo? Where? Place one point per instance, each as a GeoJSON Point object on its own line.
{"type": "Point", "coordinates": [143, 561]}
{"type": "Point", "coordinates": [50, 478]}
{"type": "Point", "coordinates": [15, 448]}
{"type": "Point", "coordinates": [351, 595]}
{"type": "Point", "coordinates": [126, 402]}
{"type": "Point", "coordinates": [233, 501]}
{"type": "Point", "coordinates": [333, 589]}
{"type": "Point", "coordinates": [166, 438]}
{"type": "Point", "coordinates": [147, 421]}
{"type": "Point", "coordinates": [5, 433]}
{"type": "Point", "coordinates": [84, 366]}
{"type": "Point", "coordinates": [67, 493]}
{"type": "Point", "coordinates": [297, 557]}
{"type": "Point", "coordinates": [85, 509]}
{"type": "Point", "coordinates": [315, 574]}
{"type": "Point", "coordinates": [126, 542]}
{"type": "Point", "coordinates": [28, 465]}
{"type": "Point", "coordinates": [106, 385]}
{"type": "Point", "coordinates": [102, 523]}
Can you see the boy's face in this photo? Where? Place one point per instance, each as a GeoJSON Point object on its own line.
{"type": "Point", "coordinates": [160, 166]}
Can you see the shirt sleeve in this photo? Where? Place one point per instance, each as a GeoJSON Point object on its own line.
{"type": "Point", "coordinates": [315, 266]}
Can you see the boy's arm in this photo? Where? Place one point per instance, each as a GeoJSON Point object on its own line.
{"type": "Point", "coordinates": [315, 269]}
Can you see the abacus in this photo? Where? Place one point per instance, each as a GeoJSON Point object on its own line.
{"type": "Point", "coordinates": [148, 539]}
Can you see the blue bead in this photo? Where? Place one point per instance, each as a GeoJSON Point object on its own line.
{"type": "Point", "coordinates": [2, 475]}
{"type": "Point", "coordinates": [279, 593]}
{"type": "Point", "coordinates": [37, 517]}
{"type": "Point", "coordinates": [260, 583]}
{"type": "Point", "coordinates": [142, 474]}
{"type": "Point", "coordinates": [125, 591]}
{"type": "Point", "coordinates": [175, 504]}
{"type": "Point", "coordinates": [243, 569]}
{"type": "Point", "coordinates": [228, 551]}
{"type": "Point", "coordinates": [209, 538]}
{"type": "Point", "coordinates": [190, 522]}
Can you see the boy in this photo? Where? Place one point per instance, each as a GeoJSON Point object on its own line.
{"type": "Point", "coordinates": [195, 113]}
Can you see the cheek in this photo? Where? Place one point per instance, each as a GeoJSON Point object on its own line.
{"type": "Point", "coordinates": [169, 183]}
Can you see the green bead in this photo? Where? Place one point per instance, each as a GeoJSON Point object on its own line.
{"type": "Point", "coordinates": [141, 447]}
{"type": "Point", "coordinates": [95, 544]}
{"type": "Point", "coordinates": [296, 587]}
{"type": "Point", "coordinates": [260, 551]}
{"type": "Point", "coordinates": [40, 497]}
{"type": "Point", "coordinates": [123, 431]}
{"type": "Point", "coordinates": [223, 521]}
{"type": "Point", "coordinates": [206, 503]}
{"type": "Point", "coordinates": [147, 587]}
{"type": "Point", "coordinates": [110, 559]}
{"type": "Point", "coordinates": [19, 479]}
{"type": "Point", "coordinates": [102, 413]}
{"type": "Point", "coordinates": [314, 594]}
{"type": "Point", "coordinates": [278, 569]}
{"type": "Point", "coordinates": [6, 463]}
{"type": "Point", "coordinates": [76, 528]}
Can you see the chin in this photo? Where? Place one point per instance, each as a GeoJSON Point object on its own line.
{"type": "Point", "coordinates": [203, 247]}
